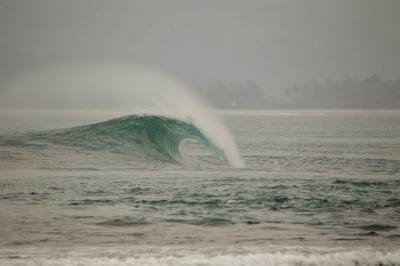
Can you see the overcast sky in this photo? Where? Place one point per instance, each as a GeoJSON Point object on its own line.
{"type": "Point", "coordinates": [274, 42]}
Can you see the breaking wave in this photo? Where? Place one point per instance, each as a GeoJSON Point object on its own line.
{"type": "Point", "coordinates": [150, 136]}
{"type": "Point", "coordinates": [123, 87]}
{"type": "Point", "coordinates": [161, 133]}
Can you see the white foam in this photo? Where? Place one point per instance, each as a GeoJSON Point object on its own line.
{"type": "Point", "coordinates": [172, 256]}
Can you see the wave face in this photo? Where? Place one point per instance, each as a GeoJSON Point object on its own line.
{"type": "Point", "coordinates": [153, 136]}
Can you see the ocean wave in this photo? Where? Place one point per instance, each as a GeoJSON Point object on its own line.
{"type": "Point", "coordinates": [138, 136]}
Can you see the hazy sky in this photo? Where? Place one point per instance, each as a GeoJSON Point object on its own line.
{"type": "Point", "coordinates": [274, 42]}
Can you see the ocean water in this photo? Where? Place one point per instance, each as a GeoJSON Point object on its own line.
{"type": "Point", "coordinates": [89, 187]}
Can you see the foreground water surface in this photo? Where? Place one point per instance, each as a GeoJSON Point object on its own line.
{"type": "Point", "coordinates": [319, 187]}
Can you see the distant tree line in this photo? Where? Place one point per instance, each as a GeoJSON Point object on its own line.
{"type": "Point", "coordinates": [371, 92]}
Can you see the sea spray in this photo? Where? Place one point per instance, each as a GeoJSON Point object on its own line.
{"type": "Point", "coordinates": [119, 86]}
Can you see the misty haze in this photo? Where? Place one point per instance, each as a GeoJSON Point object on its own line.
{"type": "Point", "coordinates": [183, 132]}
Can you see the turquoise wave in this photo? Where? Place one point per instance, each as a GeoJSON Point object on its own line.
{"type": "Point", "coordinates": [157, 136]}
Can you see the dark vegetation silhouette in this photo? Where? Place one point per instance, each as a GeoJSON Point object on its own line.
{"type": "Point", "coordinates": [371, 93]}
